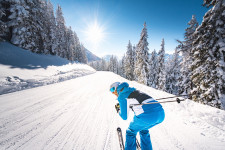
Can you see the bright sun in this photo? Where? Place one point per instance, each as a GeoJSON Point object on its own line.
{"type": "Point", "coordinates": [95, 33]}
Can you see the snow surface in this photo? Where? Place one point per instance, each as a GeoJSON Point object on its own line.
{"type": "Point", "coordinates": [79, 114]}
{"type": "Point", "coordinates": [22, 69]}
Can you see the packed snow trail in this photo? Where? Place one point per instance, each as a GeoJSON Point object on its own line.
{"type": "Point", "coordinates": [79, 114]}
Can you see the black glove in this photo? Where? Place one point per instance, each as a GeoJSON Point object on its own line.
{"type": "Point", "coordinates": [117, 107]}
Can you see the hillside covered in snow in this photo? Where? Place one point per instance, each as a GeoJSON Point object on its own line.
{"type": "Point", "coordinates": [22, 69]}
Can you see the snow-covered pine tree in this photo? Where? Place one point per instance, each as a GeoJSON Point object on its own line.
{"type": "Point", "coordinates": [17, 20]}
{"type": "Point", "coordinates": [77, 42]}
{"type": "Point", "coordinates": [78, 52]}
{"type": "Point", "coordinates": [51, 29]}
{"type": "Point", "coordinates": [27, 22]}
{"type": "Point", "coordinates": [91, 64]}
{"type": "Point", "coordinates": [104, 64]}
{"type": "Point", "coordinates": [209, 57]}
{"type": "Point", "coordinates": [153, 67]}
{"type": "Point", "coordinates": [142, 58]}
{"type": "Point", "coordinates": [161, 67]}
{"type": "Point", "coordinates": [42, 21]}
{"type": "Point", "coordinates": [129, 63]}
{"type": "Point", "coordinates": [98, 66]}
{"type": "Point", "coordinates": [31, 24]}
{"type": "Point", "coordinates": [35, 36]}
{"type": "Point", "coordinates": [61, 33]}
{"type": "Point", "coordinates": [134, 54]}
{"type": "Point", "coordinates": [113, 64]}
{"type": "Point", "coordinates": [135, 60]}
{"type": "Point", "coordinates": [111, 67]}
{"type": "Point", "coordinates": [83, 55]}
{"type": "Point", "coordinates": [121, 67]}
{"type": "Point", "coordinates": [3, 26]}
{"type": "Point", "coordinates": [185, 47]}
{"type": "Point", "coordinates": [173, 74]}
{"type": "Point", "coordinates": [70, 42]}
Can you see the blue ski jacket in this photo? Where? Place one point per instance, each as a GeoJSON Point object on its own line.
{"type": "Point", "coordinates": [128, 96]}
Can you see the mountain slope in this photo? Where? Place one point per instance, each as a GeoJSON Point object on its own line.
{"type": "Point", "coordinates": [22, 69]}
{"type": "Point", "coordinates": [91, 57]}
{"type": "Point", "coordinates": [79, 114]}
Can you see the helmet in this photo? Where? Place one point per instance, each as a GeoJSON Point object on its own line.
{"type": "Point", "coordinates": [114, 86]}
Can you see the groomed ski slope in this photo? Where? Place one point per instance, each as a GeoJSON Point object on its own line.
{"type": "Point", "coordinates": [79, 114]}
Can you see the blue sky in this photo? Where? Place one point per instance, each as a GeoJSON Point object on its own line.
{"type": "Point", "coordinates": [122, 20]}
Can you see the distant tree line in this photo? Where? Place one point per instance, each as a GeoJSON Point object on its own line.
{"type": "Point", "coordinates": [199, 73]}
{"type": "Point", "coordinates": [32, 25]}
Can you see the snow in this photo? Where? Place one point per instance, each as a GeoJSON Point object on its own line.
{"type": "Point", "coordinates": [22, 69]}
{"type": "Point", "coordinates": [79, 113]}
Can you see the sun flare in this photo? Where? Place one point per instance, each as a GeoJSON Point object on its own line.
{"type": "Point", "coordinates": [95, 33]}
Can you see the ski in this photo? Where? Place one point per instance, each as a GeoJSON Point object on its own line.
{"type": "Point", "coordinates": [120, 136]}
{"type": "Point", "coordinates": [138, 145]}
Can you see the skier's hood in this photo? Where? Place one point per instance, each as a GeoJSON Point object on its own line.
{"type": "Point", "coordinates": [123, 87]}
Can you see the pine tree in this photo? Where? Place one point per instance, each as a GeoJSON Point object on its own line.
{"type": "Point", "coordinates": [134, 54]}
{"type": "Point", "coordinates": [83, 55]}
{"type": "Point", "coordinates": [121, 67]}
{"type": "Point", "coordinates": [129, 63]}
{"type": "Point", "coordinates": [113, 64]}
{"type": "Point", "coordinates": [43, 22]}
{"type": "Point", "coordinates": [209, 57]}
{"type": "Point", "coordinates": [173, 74]}
{"type": "Point", "coordinates": [31, 24]}
{"type": "Point", "coordinates": [161, 67]}
{"type": "Point", "coordinates": [17, 21]}
{"type": "Point", "coordinates": [185, 47]}
{"type": "Point", "coordinates": [61, 33]}
{"type": "Point", "coordinates": [35, 35]}
{"type": "Point", "coordinates": [70, 42]}
{"type": "Point", "coordinates": [51, 29]}
{"type": "Point", "coordinates": [135, 60]}
{"type": "Point", "coordinates": [3, 26]}
{"type": "Point", "coordinates": [142, 63]}
{"type": "Point", "coordinates": [104, 65]}
{"type": "Point", "coordinates": [77, 51]}
{"type": "Point", "coordinates": [153, 66]}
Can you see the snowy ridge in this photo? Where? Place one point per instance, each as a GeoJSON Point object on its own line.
{"type": "Point", "coordinates": [13, 83]}
{"type": "Point", "coordinates": [22, 69]}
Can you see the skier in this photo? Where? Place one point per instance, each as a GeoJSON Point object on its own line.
{"type": "Point", "coordinates": [145, 116]}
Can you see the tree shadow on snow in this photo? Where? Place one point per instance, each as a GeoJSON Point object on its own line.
{"type": "Point", "coordinates": [17, 57]}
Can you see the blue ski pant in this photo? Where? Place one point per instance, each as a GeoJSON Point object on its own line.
{"type": "Point", "coordinates": [141, 124]}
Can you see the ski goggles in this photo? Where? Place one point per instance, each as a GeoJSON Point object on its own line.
{"type": "Point", "coordinates": [114, 86]}
{"type": "Point", "coordinates": [113, 89]}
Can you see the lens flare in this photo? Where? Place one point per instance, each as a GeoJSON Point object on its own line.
{"type": "Point", "coordinates": [95, 33]}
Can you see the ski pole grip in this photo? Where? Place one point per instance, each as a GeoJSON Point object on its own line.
{"type": "Point", "coordinates": [178, 100]}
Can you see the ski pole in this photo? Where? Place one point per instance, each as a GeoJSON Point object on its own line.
{"type": "Point", "coordinates": [177, 100]}
{"type": "Point", "coordinates": [170, 97]}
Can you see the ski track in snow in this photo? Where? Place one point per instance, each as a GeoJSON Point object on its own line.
{"type": "Point", "coordinates": [79, 114]}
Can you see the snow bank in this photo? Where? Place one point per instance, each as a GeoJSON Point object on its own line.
{"type": "Point", "coordinates": [22, 69]}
